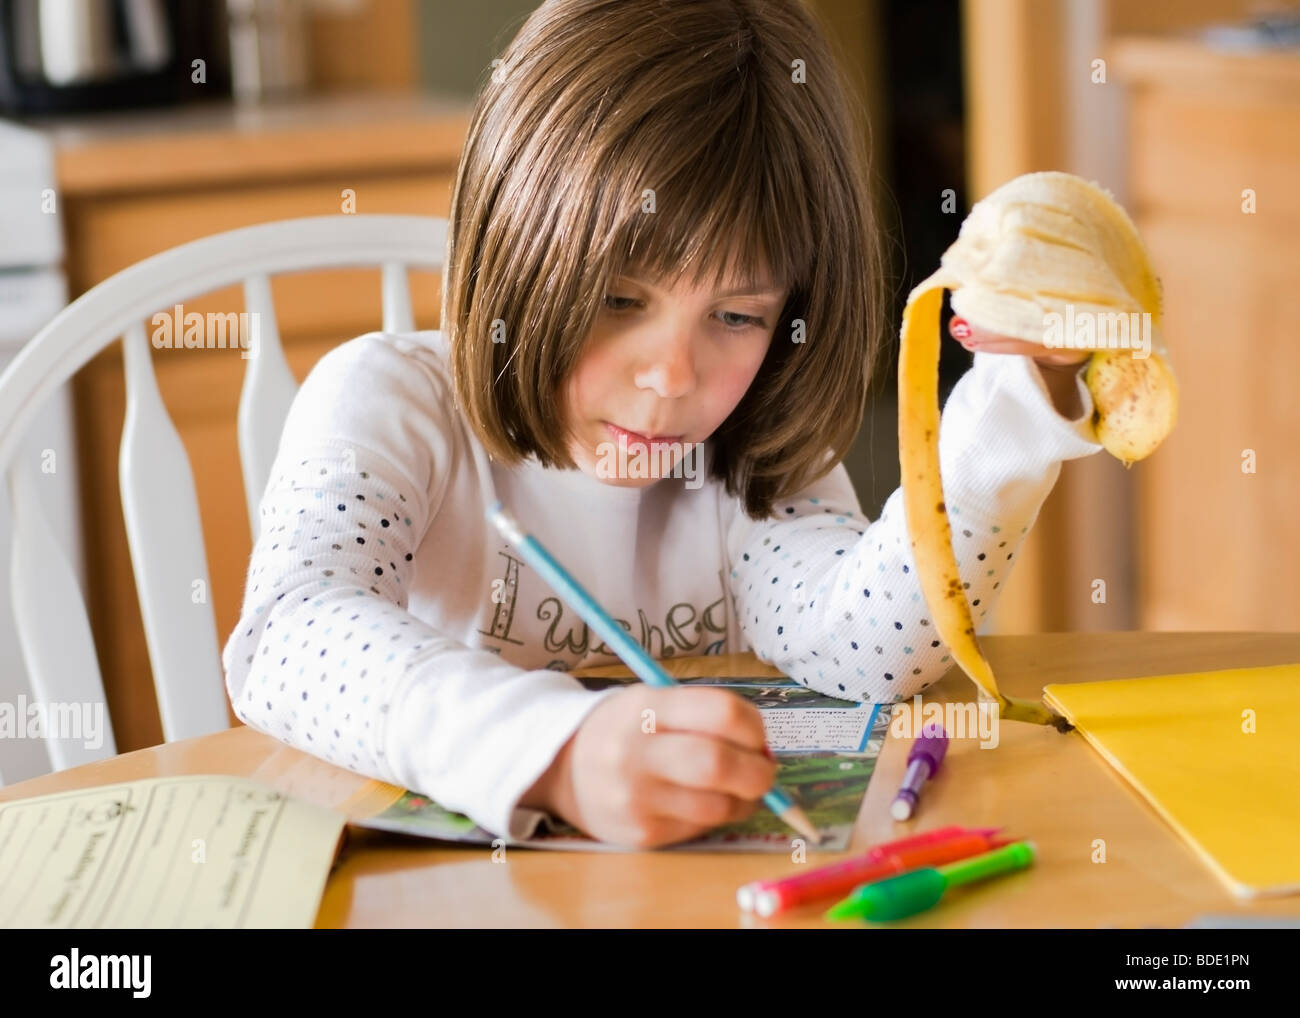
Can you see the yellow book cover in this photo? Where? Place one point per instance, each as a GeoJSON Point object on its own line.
{"type": "Point", "coordinates": [1217, 754]}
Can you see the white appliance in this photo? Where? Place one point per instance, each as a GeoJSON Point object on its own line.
{"type": "Point", "coordinates": [33, 289]}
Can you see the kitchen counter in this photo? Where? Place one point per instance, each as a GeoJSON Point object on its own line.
{"type": "Point", "coordinates": [1187, 60]}
{"type": "Point", "coordinates": [225, 143]}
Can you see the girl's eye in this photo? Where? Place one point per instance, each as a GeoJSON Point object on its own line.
{"type": "Point", "coordinates": [745, 321]}
{"type": "Point", "coordinates": [611, 297]}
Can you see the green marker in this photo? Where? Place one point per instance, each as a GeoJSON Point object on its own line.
{"type": "Point", "coordinates": [909, 893]}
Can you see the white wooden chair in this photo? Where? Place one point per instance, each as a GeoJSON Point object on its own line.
{"type": "Point", "coordinates": [158, 497]}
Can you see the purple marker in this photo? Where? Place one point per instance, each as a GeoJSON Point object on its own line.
{"type": "Point", "coordinates": [922, 764]}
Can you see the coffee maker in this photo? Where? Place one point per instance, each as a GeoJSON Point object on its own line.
{"type": "Point", "coordinates": [73, 56]}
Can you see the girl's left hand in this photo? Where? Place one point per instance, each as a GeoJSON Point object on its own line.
{"type": "Point", "coordinates": [976, 339]}
{"type": "Point", "coordinates": [1058, 368]}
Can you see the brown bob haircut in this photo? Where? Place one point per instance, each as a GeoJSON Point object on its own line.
{"type": "Point", "coordinates": [594, 104]}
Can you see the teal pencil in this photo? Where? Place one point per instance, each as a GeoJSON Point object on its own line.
{"type": "Point", "coordinates": [623, 645]}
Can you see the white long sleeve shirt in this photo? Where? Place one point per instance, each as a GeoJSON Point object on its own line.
{"type": "Point", "coordinates": [388, 629]}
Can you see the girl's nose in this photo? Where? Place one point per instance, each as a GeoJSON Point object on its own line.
{"type": "Point", "coordinates": [669, 371]}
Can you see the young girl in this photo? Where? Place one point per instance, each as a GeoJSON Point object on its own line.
{"type": "Point", "coordinates": [660, 230]}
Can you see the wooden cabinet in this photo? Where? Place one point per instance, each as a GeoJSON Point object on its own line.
{"type": "Point", "coordinates": [1209, 134]}
{"type": "Point", "coordinates": [129, 192]}
{"type": "Point", "coordinates": [1185, 540]}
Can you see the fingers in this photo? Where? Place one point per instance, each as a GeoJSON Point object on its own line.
{"type": "Point", "coordinates": [1065, 359]}
{"type": "Point", "coordinates": [975, 339]}
{"type": "Point", "coordinates": [716, 712]}
{"type": "Point", "coordinates": [657, 831]}
{"type": "Point", "coordinates": [698, 808]}
{"type": "Point", "coordinates": [707, 764]}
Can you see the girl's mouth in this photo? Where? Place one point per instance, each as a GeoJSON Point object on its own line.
{"type": "Point", "coordinates": [634, 438]}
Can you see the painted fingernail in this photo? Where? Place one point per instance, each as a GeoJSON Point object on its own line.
{"type": "Point", "coordinates": [767, 752]}
{"type": "Point", "coordinates": [959, 328]}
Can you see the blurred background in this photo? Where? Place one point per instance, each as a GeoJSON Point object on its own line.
{"type": "Point", "coordinates": [129, 127]}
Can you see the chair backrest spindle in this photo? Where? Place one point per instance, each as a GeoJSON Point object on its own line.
{"type": "Point", "coordinates": [163, 529]}
{"type": "Point", "coordinates": [398, 316]}
{"type": "Point", "coordinates": [265, 397]}
{"type": "Point", "coordinates": [54, 630]}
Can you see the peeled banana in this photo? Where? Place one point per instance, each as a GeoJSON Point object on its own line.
{"type": "Point", "coordinates": [1037, 258]}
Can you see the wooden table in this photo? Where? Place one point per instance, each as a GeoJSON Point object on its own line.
{"type": "Point", "coordinates": [1039, 783]}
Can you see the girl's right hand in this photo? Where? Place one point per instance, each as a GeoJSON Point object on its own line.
{"type": "Point", "coordinates": [651, 766]}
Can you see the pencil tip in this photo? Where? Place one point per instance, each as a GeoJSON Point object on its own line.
{"type": "Point", "coordinates": [797, 819]}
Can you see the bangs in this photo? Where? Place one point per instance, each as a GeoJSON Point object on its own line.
{"type": "Point", "coordinates": [714, 221]}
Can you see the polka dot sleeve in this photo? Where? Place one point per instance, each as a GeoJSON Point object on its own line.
{"type": "Point", "coordinates": [326, 656]}
{"type": "Point", "coordinates": [325, 635]}
{"type": "Point", "coordinates": [833, 600]}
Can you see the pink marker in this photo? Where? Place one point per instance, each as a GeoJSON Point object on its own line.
{"type": "Point", "coordinates": [769, 896]}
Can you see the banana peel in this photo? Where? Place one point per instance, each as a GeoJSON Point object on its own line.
{"type": "Point", "coordinates": [1042, 244]}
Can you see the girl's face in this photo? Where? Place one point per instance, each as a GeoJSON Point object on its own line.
{"type": "Point", "coordinates": [663, 364]}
